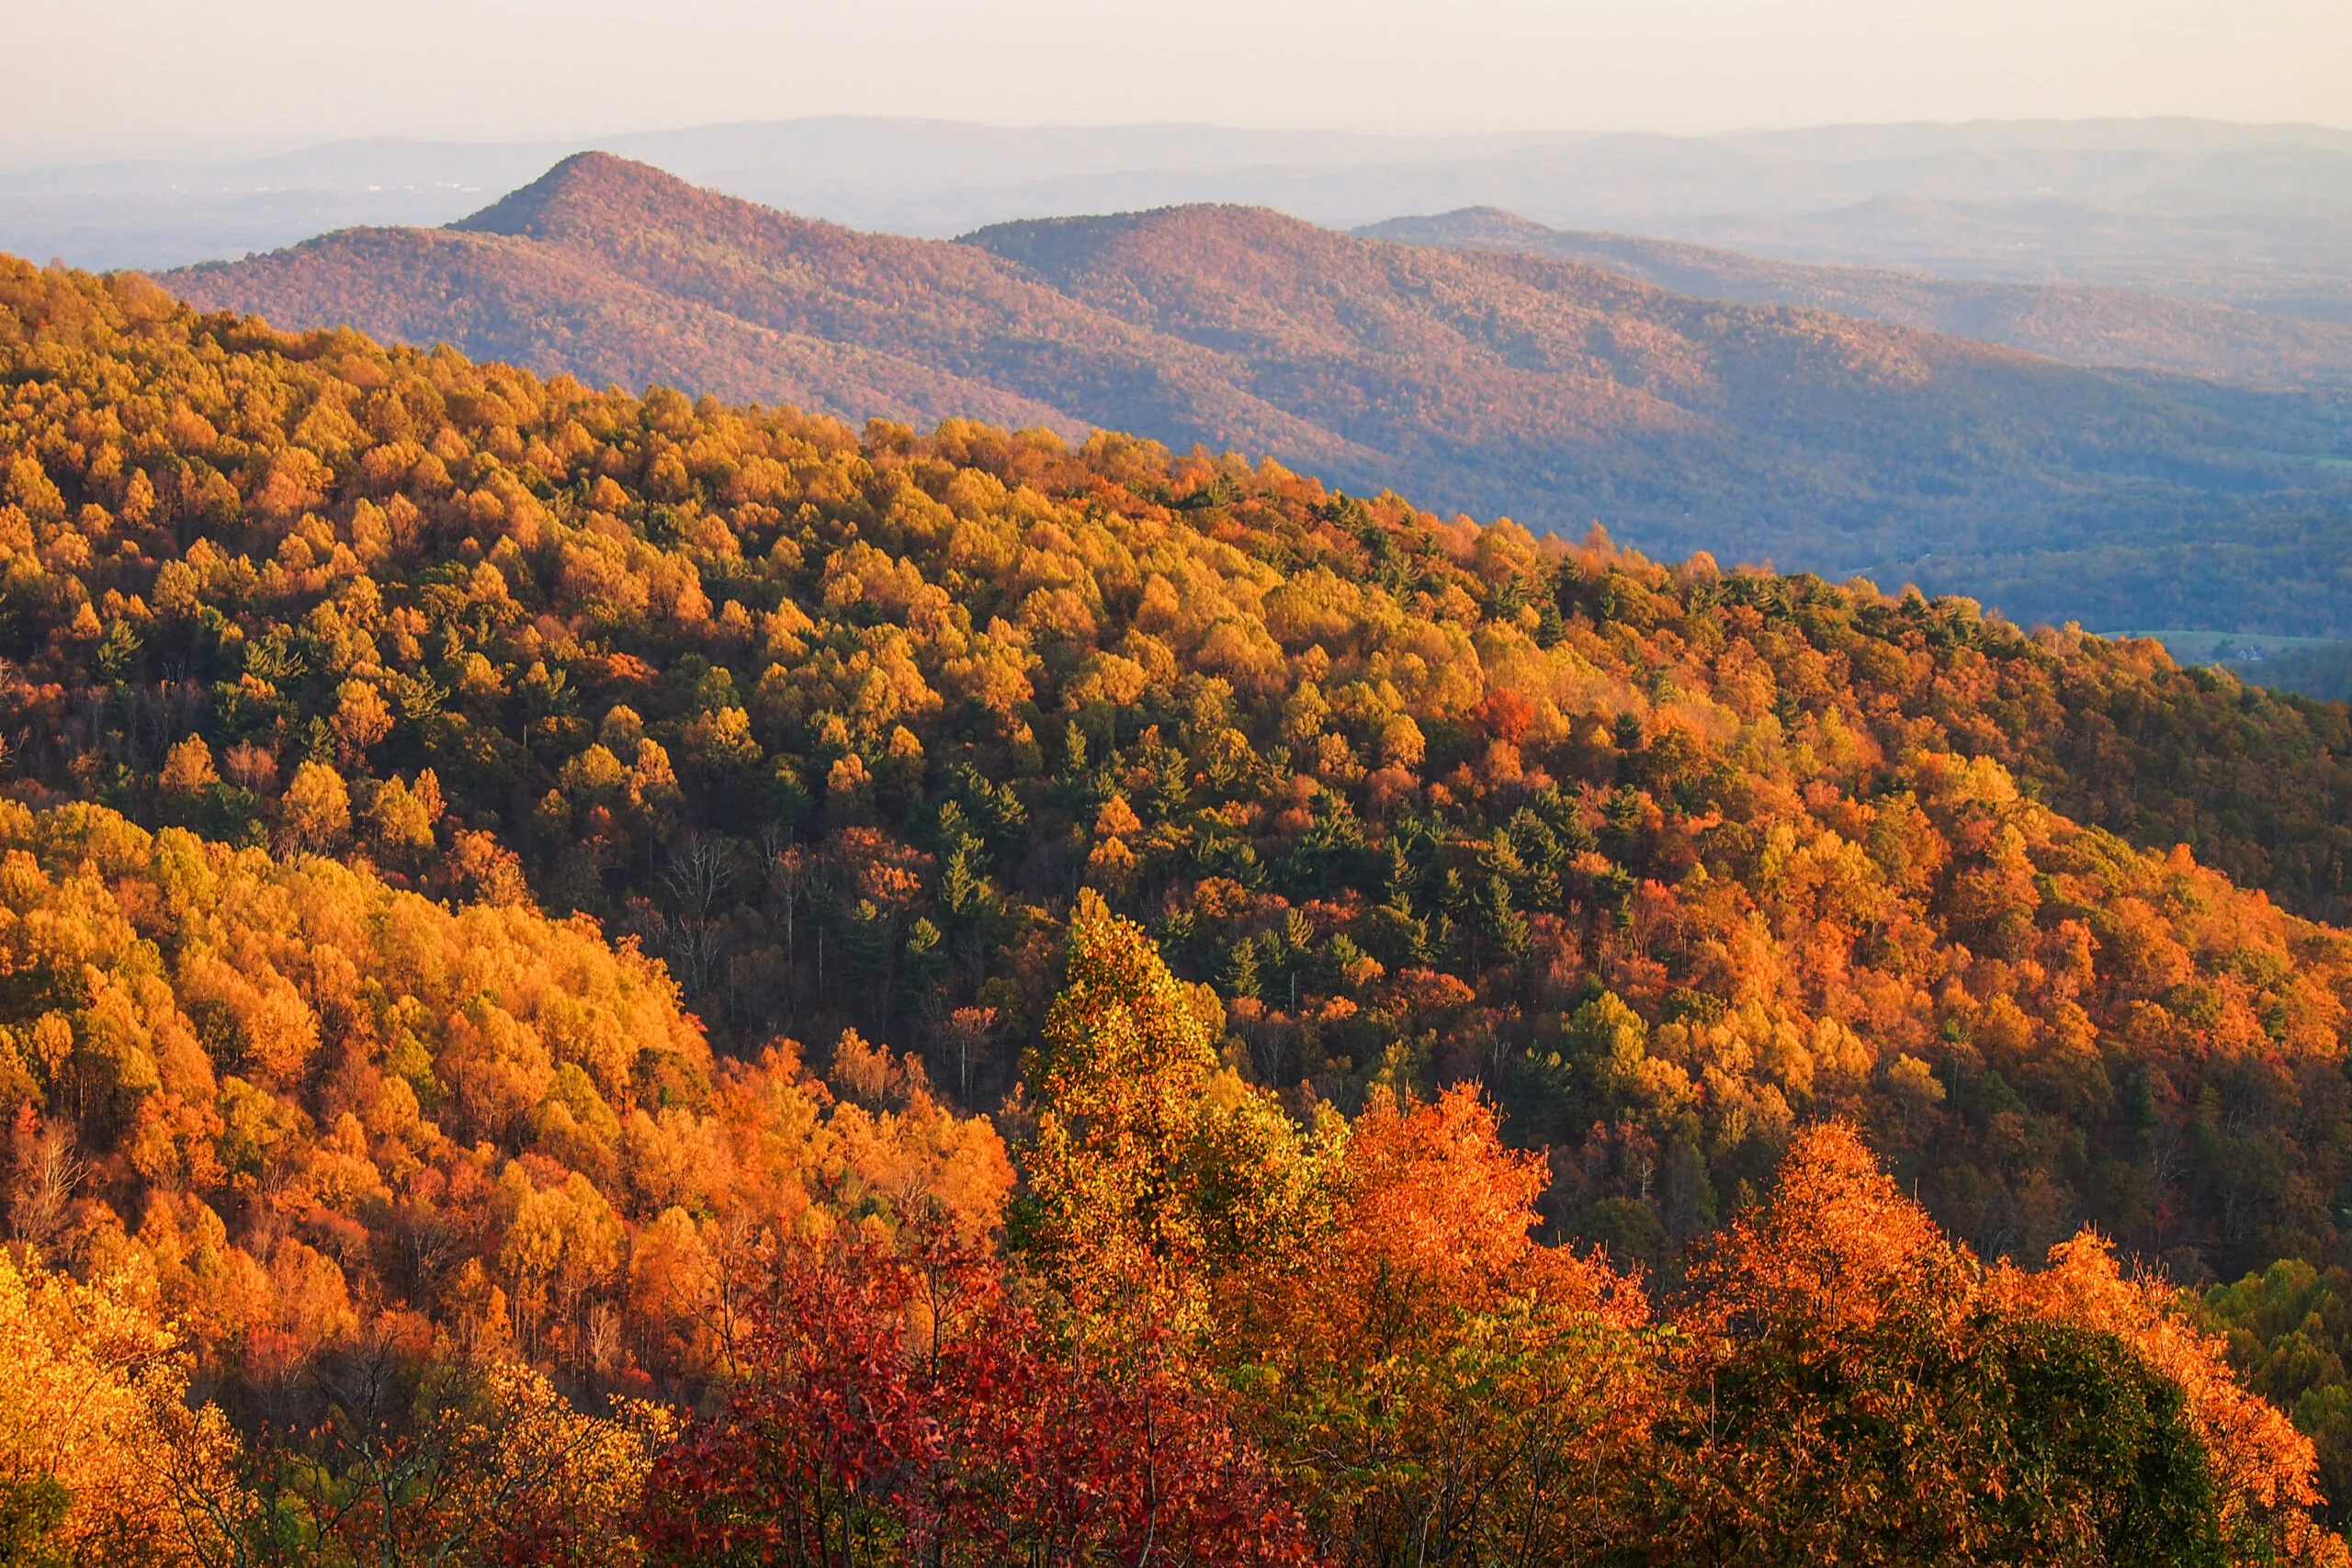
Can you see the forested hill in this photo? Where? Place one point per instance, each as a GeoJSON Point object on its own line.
{"type": "Point", "coordinates": [2081, 325]}
{"type": "Point", "coordinates": [440, 796]}
{"type": "Point", "coordinates": [653, 651]}
{"type": "Point", "coordinates": [1498, 384]}
{"type": "Point", "coordinates": [950, 324]}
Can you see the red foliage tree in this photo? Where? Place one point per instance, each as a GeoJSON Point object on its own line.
{"type": "Point", "coordinates": [909, 1408]}
{"type": "Point", "coordinates": [1505, 716]}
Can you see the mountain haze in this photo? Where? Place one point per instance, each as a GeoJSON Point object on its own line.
{"type": "Point", "coordinates": [2046, 200]}
{"type": "Point", "coordinates": [2116, 328]}
{"type": "Point", "coordinates": [2293, 261]}
{"type": "Point", "coordinates": [1550, 390]}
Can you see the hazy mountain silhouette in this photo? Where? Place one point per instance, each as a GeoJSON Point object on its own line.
{"type": "Point", "coordinates": [2214, 209]}
{"type": "Point", "coordinates": [2118, 328]}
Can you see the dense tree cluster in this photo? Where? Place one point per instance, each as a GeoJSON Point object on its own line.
{"type": "Point", "coordinates": [1215, 1336]}
{"type": "Point", "coordinates": [2324, 670]}
{"type": "Point", "coordinates": [441, 797]}
{"type": "Point", "coordinates": [311, 1107]}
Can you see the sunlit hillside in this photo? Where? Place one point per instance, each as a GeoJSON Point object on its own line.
{"type": "Point", "coordinates": [599, 977]}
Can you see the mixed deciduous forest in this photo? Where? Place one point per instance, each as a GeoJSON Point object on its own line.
{"type": "Point", "coordinates": [597, 978]}
{"type": "Point", "coordinates": [2324, 671]}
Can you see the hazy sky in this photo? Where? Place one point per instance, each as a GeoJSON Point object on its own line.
{"type": "Point", "coordinates": [104, 78]}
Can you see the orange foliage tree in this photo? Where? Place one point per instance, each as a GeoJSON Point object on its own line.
{"type": "Point", "coordinates": [1857, 1388]}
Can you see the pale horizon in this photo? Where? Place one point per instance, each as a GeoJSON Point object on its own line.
{"type": "Point", "coordinates": [592, 141]}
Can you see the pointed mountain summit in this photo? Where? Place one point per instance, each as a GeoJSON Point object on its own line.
{"type": "Point", "coordinates": [1489, 380]}
{"type": "Point", "coordinates": [578, 190]}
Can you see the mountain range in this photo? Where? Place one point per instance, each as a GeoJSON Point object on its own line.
{"type": "Point", "coordinates": [1492, 382]}
{"type": "Point", "coordinates": [2079, 323]}
{"type": "Point", "coordinates": [2256, 214]}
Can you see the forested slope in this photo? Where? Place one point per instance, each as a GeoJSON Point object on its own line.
{"type": "Point", "coordinates": [499, 297]}
{"type": "Point", "coordinates": [951, 318]}
{"type": "Point", "coordinates": [834, 724]}
{"type": "Point", "coordinates": [1349, 920]}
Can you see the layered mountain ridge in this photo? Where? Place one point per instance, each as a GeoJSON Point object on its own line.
{"type": "Point", "coordinates": [1546, 390]}
{"type": "Point", "coordinates": [2075, 323]}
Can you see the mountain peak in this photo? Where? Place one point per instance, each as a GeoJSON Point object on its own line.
{"type": "Point", "coordinates": [584, 184]}
{"type": "Point", "coordinates": [1492, 226]}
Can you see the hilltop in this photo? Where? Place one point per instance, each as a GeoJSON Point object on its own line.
{"type": "Point", "coordinates": [1553, 392]}
{"type": "Point", "coordinates": [2212, 211]}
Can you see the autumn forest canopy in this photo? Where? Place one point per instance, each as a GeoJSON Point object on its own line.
{"type": "Point", "coordinates": [595, 978]}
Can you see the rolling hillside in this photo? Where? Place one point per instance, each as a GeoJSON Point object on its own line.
{"type": "Point", "coordinates": [535, 305]}
{"type": "Point", "coordinates": [1498, 384]}
{"type": "Point", "coordinates": [1472, 1015]}
{"type": "Point", "coordinates": [2115, 328]}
